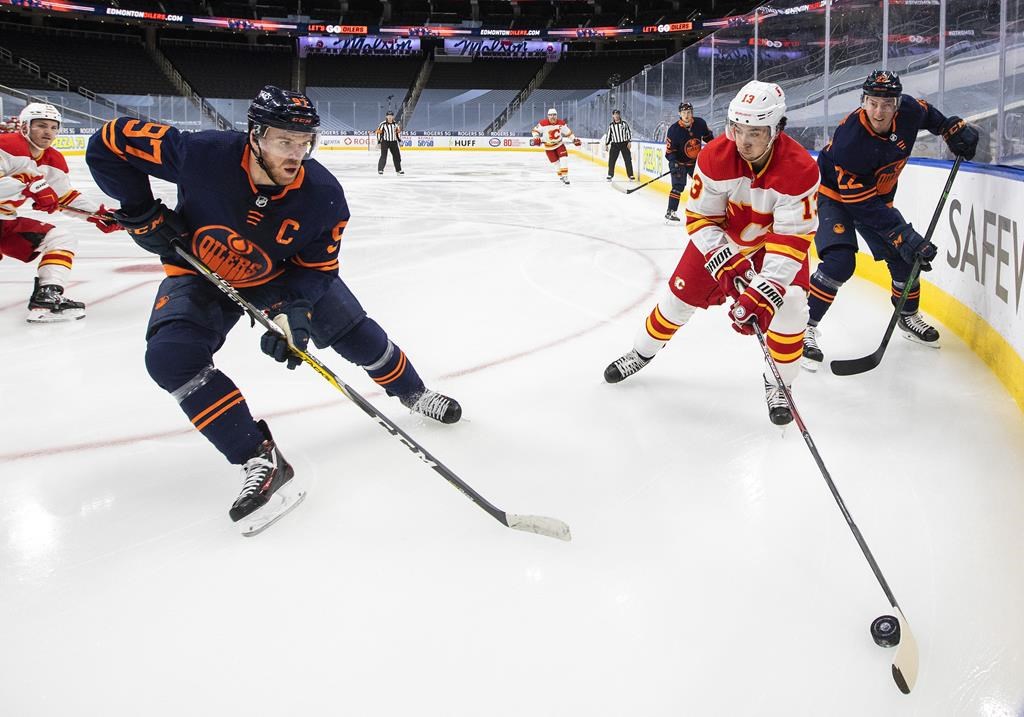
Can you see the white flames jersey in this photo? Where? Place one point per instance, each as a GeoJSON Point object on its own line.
{"type": "Point", "coordinates": [774, 209]}
{"type": "Point", "coordinates": [19, 168]}
{"type": "Point", "coordinates": [552, 134]}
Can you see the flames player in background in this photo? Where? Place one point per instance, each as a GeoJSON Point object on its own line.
{"type": "Point", "coordinates": [682, 145]}
{"type": "Point", "coordinates": [860, 168]}
{"type": "Point", "coordinates": [551, 133]}
{"type": "Point", "coordinates": [750, 216]}
{"type": "Point", "coordinates": [30, 168]}
{"type": "Point", "coordinates": [272, 228]}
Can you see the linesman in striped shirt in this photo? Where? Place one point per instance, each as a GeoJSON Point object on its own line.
{"type": "Point", "coordinates": [389, 137]}
{"type": "Point", "coordinates": [617, 142]}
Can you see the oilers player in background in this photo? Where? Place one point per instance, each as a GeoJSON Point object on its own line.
{"type": "Point", "coordinates": [860, 169]}
{"type": "Point", "coordinates": [682, 145]}
{"type": "Point", "coordinates": [257, 210]}
{"type": "Point", "coordinates": [750, 219]}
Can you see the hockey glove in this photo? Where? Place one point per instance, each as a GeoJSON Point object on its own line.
{"type": "Point", "coordinates": [44, 199]}
{"type": "Point", "coordinates": [726, 266]}
{"type": "Point", "coordinates": [577, 141]}
{"type": "Point", "coordinates": [294, 319]}
{"type": "Point", "coordinates": [758, 302]}
{"type": "Point", "coordinates": [535, 142]}
{"type": "Point", "coordinates": [912, 246]}
{"type": "Point", "coordinates": [961, 138]}
{"type": "Point", "coordinates": [155, 229]}
{"type": "Point", "coordinates": [104, 220]}
{"type": "Point", "coordinates": [678, 170]}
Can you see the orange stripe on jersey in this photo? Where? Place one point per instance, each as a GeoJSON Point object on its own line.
{"type": "Point", "coordinates": [385, 380]}
{"type": "Point", "coordinates": [69, 197]}
{"type": "Point", "coordinates": [107, 135]}
{"type": "Point", "coordinates": [171, 270]}
{"type": "Point", "coordinates": [660, 328]}
{"type": "Point", "coordinates": [329, 265]}
{"type": "Point", "coordinates": [215, 408]}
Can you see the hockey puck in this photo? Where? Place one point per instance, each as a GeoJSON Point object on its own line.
{"type": "Point", "coordinates": [885, 631]}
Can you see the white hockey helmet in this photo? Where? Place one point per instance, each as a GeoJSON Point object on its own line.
{"type": "Point", "coordinates": [758, 104]}
{"type": "Point", "coordinates": [37, 110]}
{"type": "Point", "coordinates": [552, 112]}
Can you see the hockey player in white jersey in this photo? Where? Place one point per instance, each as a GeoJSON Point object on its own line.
{"type": "Point", "coordinates": [750, 216]}
{"type": "Point", "coordinates": [31, 169]}
{"type": "Point", "coordinates": [551, 134]}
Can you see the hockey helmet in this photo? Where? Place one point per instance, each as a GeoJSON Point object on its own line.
{"type": "Point", "coordinates": [283, 109]}
{"type": "Point", "coordinates": [552, 112]}
{"type": "Point", "coordinates": [685, 106]}
{"type": "Point", "coordinates": [758, 104]}
{"type": "Point", "coordinates": [616, 112]}
{"type": "Point", "coordinates": [883, 83]}
{"type": "Point", "coordinates": [38, 110]}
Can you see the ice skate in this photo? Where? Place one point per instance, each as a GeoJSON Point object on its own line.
{"type": "Point", "coordinates": [671, 216]}
{"type": "Point", "coordinates": [434, 405]}
{"type": "Point", "coordinates": [401, 171]}
{"type": "Point", "coordinates": [812, 353]}
{"type": "Point", "coordinates": [608, 178]}
{"type": "Point", "coordinates": [778, 407]}
{"type": "Point", "coordinates": [268, 489]}
{"type": "Point", "coordinates": [380, 172]}
{"type": "Point", "coordinates": [918, 330]}
{"type": "Point", "coordinates": [565, 180]}
{"type": "Point", "coordinates": [625, 366]}
{"type": "Point", "coordinates": [48, 305]}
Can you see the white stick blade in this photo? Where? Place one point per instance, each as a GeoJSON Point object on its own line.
{"type": "Point", "coordinates": [905, 662]}
{"type": "Point", "coordinates": [619, 186]}
{"type": "Point", "coordinates": [551, 527]}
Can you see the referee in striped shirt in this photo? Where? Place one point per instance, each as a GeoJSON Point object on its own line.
{"type": "Point", "coordinates": [617, 141]}
{"type": "Point", "coordinates": [389, 136]}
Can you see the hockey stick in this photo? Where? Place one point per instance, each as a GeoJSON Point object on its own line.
{"type": "Point", "coordinates": [905, 661]}
{"type": "Point", "coordinates": [550, 527]}
{"type": "Point", "coordinates": [850, 367]}
{"type": "Point", "coordinates": [637, 189]}
{"type": "Point", "coordinates": [84, 213]}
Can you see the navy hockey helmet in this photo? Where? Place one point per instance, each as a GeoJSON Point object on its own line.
{"type": "Point", "coordinates": [882, 83]}
{"type": "Point", "coordinates": [283, 109]}
{"type": "Point", "coordinates": [685, 106]}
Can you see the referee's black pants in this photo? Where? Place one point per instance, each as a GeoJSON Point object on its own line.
{"type": "Point", "coordinates": [396, 155]}
{"type": "Point", "coordinates": [614, 149]}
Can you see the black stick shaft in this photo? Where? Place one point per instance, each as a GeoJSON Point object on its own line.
{"type": "Point", "coordinates": [649, 181]}
{"type": "Point", "coordinates": [821, 466]}
{"type": "Point", "coordinates": [383, 421]}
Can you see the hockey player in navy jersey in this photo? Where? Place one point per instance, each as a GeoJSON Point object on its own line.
{"type": "Point", "coordinates": [860, 168]}
{"type": "Point", "coordinates": [257, 210]}
{"type": "Point", "coordinates": [682, 145]}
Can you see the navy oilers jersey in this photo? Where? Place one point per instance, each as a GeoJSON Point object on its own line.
{"type": "Point", "coordinates": [248, 234]}
{"type": "Point", "coordinates": [683, 143]}
{"type": "Point", "coordinates": [860, 168]}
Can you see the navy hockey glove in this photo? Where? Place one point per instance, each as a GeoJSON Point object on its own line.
{"type": "Point", "coordinates": [912, 246]}
{"type": "Point", "coordinates": [678, 170]}
{"type": "Point", "coordinates": [294, 319]}
{"type": "Point", "coordinates": [961, 138]}
{"type": "Point", "coordinates": [154, 229]}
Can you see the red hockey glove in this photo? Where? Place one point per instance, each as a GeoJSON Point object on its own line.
{"type": "Point", "coordinates": [577, 141]}
{"type": "Point", "coordinates": [104, 221]}
{"type": "Point", "coordinates": [726, 265]}
{"type": "Point", "coordinates": [44, 199]}
{"type": "Point", "coordinates": [759, 302]}
{"type": "Point", "coordinates": [535, 142]}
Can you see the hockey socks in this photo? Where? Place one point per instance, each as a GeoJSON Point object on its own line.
{"type": "Point", "coordinates": [218, 410]}
{"type": "Point", "coordinates": [913, 298]}
{"type": "Point", "coordinates": [673, 200]}
{"type": "Point", "coordinates": [823, 292]}
{"type": "Point", "coordinates": [394, 372]}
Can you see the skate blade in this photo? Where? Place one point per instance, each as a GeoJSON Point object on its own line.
{"type": "Point", "coordinates": [43, 316]}
{"type": "Point", "coordinates": [286, 499]}
{"type": "Point", "coordinates": [810, 365]}
{"type": "Point", "coordinates": [915, 339]}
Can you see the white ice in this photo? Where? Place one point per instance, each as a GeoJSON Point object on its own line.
{"type": "Point", "coordinates": [710, 571]}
